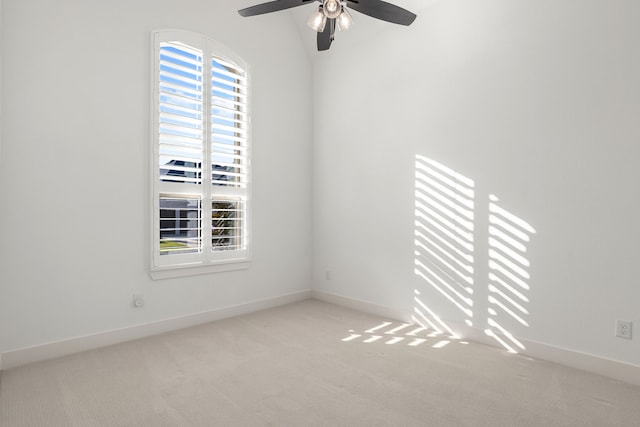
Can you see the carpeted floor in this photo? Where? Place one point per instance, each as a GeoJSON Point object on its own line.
{"type": "Point", "coordinates": [309, 364]}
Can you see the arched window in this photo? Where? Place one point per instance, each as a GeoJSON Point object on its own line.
{"type": "Point", "coordinates": [201, 158]}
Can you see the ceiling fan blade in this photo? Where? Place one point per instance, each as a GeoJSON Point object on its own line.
{"type": "Point", "coordinates": [326, 36]}
{"type": "Point", "coordinates": [272, 6]}
{"type": "Point", "coordinates": [383, 10]}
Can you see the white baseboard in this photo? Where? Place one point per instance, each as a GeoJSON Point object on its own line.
{"type": "Point", "coordinates": [610, 368]}
{"type": "Point", "coordinates": [23, 356]}
{"type": "Point", "coordinates": [364, 306]}
{"type": "Point", "coordinates": [621, 371]}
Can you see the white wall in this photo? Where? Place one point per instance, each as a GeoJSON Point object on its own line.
{"type": "Point", "coordinates": [74, 176]}
{"type": "Point", "coordinates": [537, 103]}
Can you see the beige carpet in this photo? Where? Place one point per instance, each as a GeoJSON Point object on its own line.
{"type": "Point", "coordinates": [309, 364]}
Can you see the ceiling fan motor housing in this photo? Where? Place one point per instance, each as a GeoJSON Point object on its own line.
{"type": "Point", "coordinates": [332, 8]}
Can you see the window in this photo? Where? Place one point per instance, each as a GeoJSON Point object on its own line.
{"type": "Point", "coordinates": [201, 159]}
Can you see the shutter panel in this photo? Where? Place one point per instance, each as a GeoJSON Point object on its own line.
{"type": "Point", "coordinates": [181, 114]}
{"type": "Point", "coordinates": [181, 133]}
{"type": "Point", "coordinates": [227, 225]}
{"type": "Point", "coordinates": [180, 226]}
{"type": "Point", "coordinates": [229, 125]}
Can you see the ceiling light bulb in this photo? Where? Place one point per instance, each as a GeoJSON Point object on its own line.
{"type": "Point", "coordinates": [317, 20]}
{"type": "Point", "coordinates": [344, 20]}
{"type": "Point", "coordinates": [332, 8]}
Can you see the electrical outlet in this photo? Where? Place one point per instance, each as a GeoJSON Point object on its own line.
{"type": "Point", "coordinates": [623, 329]}
{"type": "Point", "coordinates": [138, 300]}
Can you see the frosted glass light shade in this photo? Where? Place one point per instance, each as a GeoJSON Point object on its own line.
{"type": "Point", "coordinates": [344, 20]}
{"type": "Point", "coordinates": [317, 21]}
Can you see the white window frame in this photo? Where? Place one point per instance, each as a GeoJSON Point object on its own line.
{"type": "Point", "coordinates": [207, 260]}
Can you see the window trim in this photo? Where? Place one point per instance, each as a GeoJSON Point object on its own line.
{"type": "Point", "coordinates": [222, 262]}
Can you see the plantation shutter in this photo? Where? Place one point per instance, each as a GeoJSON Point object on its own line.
{"type": "Point", "coordinates": [229, 155]}
{"type": "Point", "coordinates": [202, 130]}
{"type": "Point", "coordinates": [181, 132]}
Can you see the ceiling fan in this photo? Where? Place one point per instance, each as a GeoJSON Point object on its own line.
{"type": "Point", "coordinates": [334, 14]}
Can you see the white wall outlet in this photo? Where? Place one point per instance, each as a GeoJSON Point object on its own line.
{"type": "Point", "coordinates": [623, 329]}
{"type": "Point", "coordinates": [327, 275]}
{"type": "Point", "coordinates": [138, 300]}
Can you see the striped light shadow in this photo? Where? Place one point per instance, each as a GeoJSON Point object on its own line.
{"type": "Point", "coordinates": [443, 240]}
{"type": "Point", "coordinates": [425, 317]}
{"type": "Point", "coordinates": [351, 337]}
{"type": "Point", "coordinates": [390, 333]}
{"type": "Point", "coordinates": [509, 277]}
{"type": "Point", "coordinates": [398, 329]}
{"type": "Point", "coordinates": [441, 344]}
{"type": "Point", "coordinates": [416, 331]}
{"type": "Point", "coordinates": [413, 334]}
{"type": "Point", "coordinates": [380, 326]}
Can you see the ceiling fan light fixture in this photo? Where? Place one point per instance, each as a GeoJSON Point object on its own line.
{"type": "Point", "coordinates": [344, 20]}
{"type": "Point", "coordinates": [318, 20]}
{"type": "Point", "coordinates": [332, 15]}
{"type": "Point", "coordinates": [332, 8]}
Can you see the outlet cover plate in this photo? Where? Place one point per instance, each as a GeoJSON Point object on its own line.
{"type": "Point", "coordinates": [623, 329]}
{"type": "Point", "coordinates": [138, 300]}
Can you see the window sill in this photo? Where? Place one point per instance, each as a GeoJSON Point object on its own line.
{"type": "Point", "coordinates": [160, 273]}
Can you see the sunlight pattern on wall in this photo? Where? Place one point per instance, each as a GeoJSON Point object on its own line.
{"type": "Point", "coordinates": [446, 252]}
{"type": "Point", "coordinates": [508, 274]}
{"type": "Point", "coordinates": [444, 239]}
